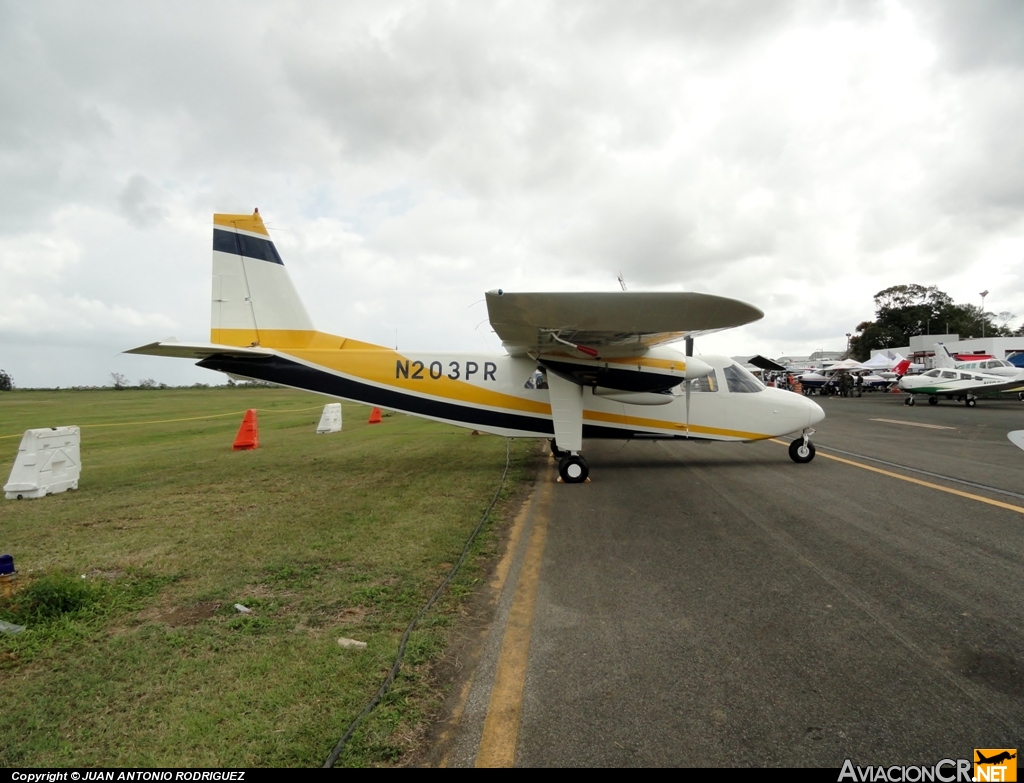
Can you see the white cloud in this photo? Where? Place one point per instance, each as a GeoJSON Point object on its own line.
{"type": "Point", "coordinates": [410, 156]}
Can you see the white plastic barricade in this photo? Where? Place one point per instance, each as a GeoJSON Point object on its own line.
{"type": "Point", "coordinates": [48, 462]}
{"type": "Point", "coordinates": [330, 419]}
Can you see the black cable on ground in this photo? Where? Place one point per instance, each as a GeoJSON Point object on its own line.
{"type": "Point", "coordinates": [426, 607]}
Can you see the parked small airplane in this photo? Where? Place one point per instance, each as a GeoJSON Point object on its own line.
{"type": "Point", "coordinates": [578, 365]}
{"type": "Point", "coordinates": [986, 364]}
{"type": "Point", "coordinates": [954, 383]}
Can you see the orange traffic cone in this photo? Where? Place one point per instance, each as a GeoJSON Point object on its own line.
{"type": "Point", "coordinates": [248, 436]}
{"type": "Point", "coordinates": [374, 416]}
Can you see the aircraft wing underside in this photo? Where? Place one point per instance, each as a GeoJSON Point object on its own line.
{"type": "Point", "coordinates": [620, 322]}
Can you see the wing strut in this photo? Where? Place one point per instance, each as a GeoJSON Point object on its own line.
{"type": "Point", "coordinates": [566, 413]}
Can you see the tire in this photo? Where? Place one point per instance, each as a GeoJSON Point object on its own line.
{"type": "Point", "coordinates": [971, 403]}
{"type": "Point", "coordinates": [799, 453]}
{"type": "Point", "coordinates": [910, 400]}
{"type": "Point", "coordinates": [573, 470]}
{"type": "Point", "coordinates": [933, 400]}
{"type": "Point", "coordinates": [556, 452]}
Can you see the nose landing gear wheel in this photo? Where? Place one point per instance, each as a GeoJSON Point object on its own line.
{"type": "Point", "coordinates": [908, 401]}
{"type": "Point", "coordinates": [573, 469]}
{"type": "Point", "coordinates": [801, 452]}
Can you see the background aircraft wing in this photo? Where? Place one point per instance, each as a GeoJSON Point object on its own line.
{"type": "Point", "coordinates": [619, 322]}
{"type": "Point", "coordinates": [198, 350]}
{"type": "Point", "coordinates": [1009, 385]}
{"type": "Point", "coordinates": [764, 363]}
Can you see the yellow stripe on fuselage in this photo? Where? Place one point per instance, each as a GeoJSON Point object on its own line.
{"type": "Point", "coordinates": [373, 363]}
{"type": "Point", "coordinates": [288, 339]}
{"type": "Point", "coordinates": [659, 424]}
{"type": "Point", "coordinates": [377, 364]}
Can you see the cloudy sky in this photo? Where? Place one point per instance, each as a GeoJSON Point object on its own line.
{"type": "Point", "coordinates": [409, 156]}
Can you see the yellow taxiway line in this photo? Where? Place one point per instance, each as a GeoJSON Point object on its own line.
{"type": "Point", "coordinates": [930, 485]}
{"type": "Point", "coordinates": [501, 726]}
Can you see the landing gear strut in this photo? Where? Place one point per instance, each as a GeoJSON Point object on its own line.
{"type": "Point", "coordinates": [556, 452]}
{"type": "Point", "coordinates": [573, 469]}
{"type": "Point", "coordinates": [801, 450]}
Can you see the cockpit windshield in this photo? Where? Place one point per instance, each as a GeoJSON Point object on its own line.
{"type": "Point", "coordinates": [739, 380]}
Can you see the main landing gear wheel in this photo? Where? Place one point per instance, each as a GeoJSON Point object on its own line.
{"type": "Point", "coordinates": [573, 469]}
{"type": "Point", "coordinates": [801, 452]}
{"type": "Point", "coordinates": [556, 452]}
{"type": "Point", "coordinates": [971, 402]}
{"type": "Point", "coordinates": [1020, 396]}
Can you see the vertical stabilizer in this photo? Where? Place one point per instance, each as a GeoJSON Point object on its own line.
{"type": "Point", "coordinates": [943, 358]}
{"type": "Point", "coordinates": [253, 299]}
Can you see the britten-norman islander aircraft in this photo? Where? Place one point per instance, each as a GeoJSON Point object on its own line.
{"type": "Point", "coordinates": [578, 365]}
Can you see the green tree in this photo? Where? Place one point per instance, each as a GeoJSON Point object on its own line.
{"type": "Point", "coordinates": [6, 381]}
{"type": "Point", "coordinates": [904, 311]}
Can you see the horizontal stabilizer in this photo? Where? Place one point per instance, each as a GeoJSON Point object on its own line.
{"type": "Point", "coordinates": [198, 350]}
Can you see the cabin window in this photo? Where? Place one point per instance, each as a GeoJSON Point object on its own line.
{"type": "Point", "coordinates": [965, 376]}
{"type": "Point", "coordinates": [931, 374]}
{"type": "Point", "coordinates": [740, 380]}
{"type": "Point", "coordinates": [949, 375]}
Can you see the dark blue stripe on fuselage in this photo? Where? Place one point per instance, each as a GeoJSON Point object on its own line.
{"type": "Point", "coordinates": [245, 245]}
{"type": "Point", "coordinates": [277, 369]}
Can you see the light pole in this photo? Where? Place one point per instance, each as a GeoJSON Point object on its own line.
{"type": "Point", "coordinates": [983, 295]}
{"type": "Point", "coordinates": [848, 336]}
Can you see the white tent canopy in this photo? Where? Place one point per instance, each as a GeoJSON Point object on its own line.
{"type": "Point", "coordinates": [885, 360]}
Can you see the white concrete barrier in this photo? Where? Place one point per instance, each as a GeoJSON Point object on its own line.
{"type": "Point", "coordinates": [48, 462]}
{"type": "Point", "coordinates": [330, 420]}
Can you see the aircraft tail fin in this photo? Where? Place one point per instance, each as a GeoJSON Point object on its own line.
{"type": "Point", "coordinates": [901, 368]}
{"type": "Point", "coordinates": [943, 358]}
{"type": "Point", "coordinates": [253, 300]}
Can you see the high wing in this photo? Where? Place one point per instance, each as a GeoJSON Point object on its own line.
{"type": "Point", "coordinates": [619, 323]}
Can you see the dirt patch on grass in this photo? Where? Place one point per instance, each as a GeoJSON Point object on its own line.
{"type": "Point", "coordinates": [180, 616]}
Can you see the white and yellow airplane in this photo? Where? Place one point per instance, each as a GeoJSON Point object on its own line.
{"type": "Point", "coordinates": [578, 365]}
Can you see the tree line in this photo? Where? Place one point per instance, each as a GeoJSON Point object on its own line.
{"type": "Point", "coordinates": [905, 311]}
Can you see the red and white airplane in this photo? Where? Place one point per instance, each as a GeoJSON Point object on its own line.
{"type": "Point", "coordinates": [576, 365]}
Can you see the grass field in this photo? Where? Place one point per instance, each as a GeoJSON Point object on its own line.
{"type": "Point", "coordinates": [145, 661]}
